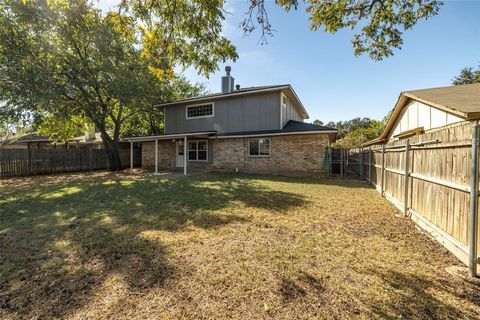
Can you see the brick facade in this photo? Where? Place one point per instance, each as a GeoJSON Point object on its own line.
{"type": "Point", "coordinates": [289, 154]}
{"type": "Point", "coordinates": [166, 154]}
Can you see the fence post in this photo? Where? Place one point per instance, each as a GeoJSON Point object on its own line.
{"type": "Point", "coordinates": [382, 188]}
{"type": "Point", "coordinates": [474, 202]}
{"type": "Point", "coordinates": [341, 162]}
{"type": "Point", "coordinates": [370, 165]}
{"type": "Point", "coordinates": [131, 155]}
{"type": "Point", "coordinates": [361, 163]}
{"type": "Point", "coordinates": [346, 149]}
{"type": "Point", "coordinates": [91, 159]}
{"type": "Point", "coordinates": [407, 173]}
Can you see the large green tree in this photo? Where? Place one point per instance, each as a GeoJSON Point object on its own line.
{"type": "Point", "coordinates": [65, 58]}
{"type": "Point", "coordinates": [378, 24]}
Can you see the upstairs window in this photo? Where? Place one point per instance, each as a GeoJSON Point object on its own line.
{"type": "Point", "coordinates": [200, 111]}
{"type": "Point", "coordinates": [259, 147]}
{"type": "Point", "coordinates": [197, 150]}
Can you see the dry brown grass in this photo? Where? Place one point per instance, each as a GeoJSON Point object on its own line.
{"type": "Point", "coordinates": [106, 246]}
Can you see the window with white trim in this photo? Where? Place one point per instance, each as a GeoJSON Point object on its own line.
{"type": "Point", "coordinates": [200, 111]}
{"type": "Point", "coordinates": [259, 147]}
{"type": "Point", "coordinates": [197, 150]}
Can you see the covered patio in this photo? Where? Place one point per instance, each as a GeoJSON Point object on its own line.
{"type": "Point", "coordinates": [184, 137]}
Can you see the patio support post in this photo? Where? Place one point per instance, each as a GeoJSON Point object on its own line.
{"type": "Point", "coordinates": [474, 202]}
{"type": "Point", "coordinates": [407, 173]}
{"type": "Point", "coordinates": [156, 156]}
{"type": "Point", "coordinates": [131, 155]}
{"type": "Point", "coordinates": [185, 156]}
{"type": "Point", "coordinates": [382, 187]}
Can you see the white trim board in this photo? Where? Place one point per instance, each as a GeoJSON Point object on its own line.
{"type": "Point", "coordinates": [271, 134]}
{"type": "Point", "coordinates": [198, 105]}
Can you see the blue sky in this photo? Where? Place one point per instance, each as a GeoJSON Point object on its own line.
{"type": "Point", "coordinates": [332, 83]}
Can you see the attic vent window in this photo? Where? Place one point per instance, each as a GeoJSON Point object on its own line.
{"type": "Point", "coordinates": [200, 111]}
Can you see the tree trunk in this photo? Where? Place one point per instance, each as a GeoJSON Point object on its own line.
{"type": "Point", "coordinates": [113, 151]}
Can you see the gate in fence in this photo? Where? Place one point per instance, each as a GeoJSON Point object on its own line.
{"type": "Point", "coordinates": [28, 162]}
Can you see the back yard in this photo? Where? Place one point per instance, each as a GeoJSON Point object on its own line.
{"type": "Point", "coordinates": [219, 246]}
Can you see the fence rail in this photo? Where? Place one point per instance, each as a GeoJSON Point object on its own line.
{"type": "Point", "coordinates": [28, 162]}
{"type": "Point", "coordinates": [428, 177]}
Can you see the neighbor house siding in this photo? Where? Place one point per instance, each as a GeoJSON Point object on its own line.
{"type": "Point", "coordinates": [292, 154]}
{"type": "Point", "coordinates": [417, 114]}
{"type": "Point", "coordinates": [247, 113]}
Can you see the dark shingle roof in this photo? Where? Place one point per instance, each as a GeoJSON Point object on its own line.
{"type": "Point", "coordinates": [464, 98]}
{"type": "Point", "coordinates": [292, 126]}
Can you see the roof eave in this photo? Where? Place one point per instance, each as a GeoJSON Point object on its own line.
{"type": "Point", "coordinates": [373, 142]}
{"type": "Point", "coordinates": [223, 96]}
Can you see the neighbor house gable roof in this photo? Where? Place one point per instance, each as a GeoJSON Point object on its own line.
{"type": "Point", "coordinates": [462, 101]}
{"type": "Point", "coordinates": [286, 88]}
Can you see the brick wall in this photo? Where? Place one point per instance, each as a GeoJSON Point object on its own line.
{"type": "Point", "coordinates": [166, 154]}
{"type": "Point", "coordinates": [288, 154]}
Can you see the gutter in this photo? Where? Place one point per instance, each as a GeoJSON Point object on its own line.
{"type": "Point", "coordinates": [167, 136]}
{"type": "Point", "coordinates": [273, 134]}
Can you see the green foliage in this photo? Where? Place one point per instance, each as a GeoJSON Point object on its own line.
{"type": "Point", "coordinates": [151, 123]}
{"type": "Point", "coordinates": [379, 24]}
{"type": "Point", "coordinates": [65, 58]}
{"type": "Point", "coordinates": [353, 133]}
{"type": "Point", "coordinates": [467, 76]}
{"type": "Point", "coordinates": [62, 128]}
{"type": "Point", "coordinates": [11, 132]}
{"type": "Point", "coordinates": [183, 32]}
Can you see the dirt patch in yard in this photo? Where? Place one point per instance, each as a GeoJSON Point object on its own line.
{"type": "Point", "coordinates": [115, 246]}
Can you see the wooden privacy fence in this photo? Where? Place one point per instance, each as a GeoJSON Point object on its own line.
{"type": "Point", "coordinates": [428, 177]}
{"type": "Point", "coordinates": [27, 162]}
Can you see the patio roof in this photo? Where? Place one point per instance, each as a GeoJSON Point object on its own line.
{"type": "Point", "coordinates": [169, 136]}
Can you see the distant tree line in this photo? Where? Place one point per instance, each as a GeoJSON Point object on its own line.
{"type": "Point", "coordinates": [352, 133]}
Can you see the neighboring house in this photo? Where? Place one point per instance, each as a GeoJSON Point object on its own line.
{"type": "Point", "coordinates": [89, 140]}
{"type": "Point", "coordinates": [433, 129]}
{"type": "Point", "coordinates": [32, 141]}
{"type": "Point", "coordinates": [420, 111]}
{"type": "Point", "coordinates": [256, 129]}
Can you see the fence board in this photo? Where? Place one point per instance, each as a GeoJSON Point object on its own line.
{"type": "Point", "coordinates": [28, 162]}
{"type": "Point", "coordinates": [439, 177]}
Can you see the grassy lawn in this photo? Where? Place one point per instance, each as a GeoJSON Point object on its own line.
{"type": "Point", "coordinates": [106, 246]}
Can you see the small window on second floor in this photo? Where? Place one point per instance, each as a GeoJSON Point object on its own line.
{"type": "Point", "coordinates": [200, 111]}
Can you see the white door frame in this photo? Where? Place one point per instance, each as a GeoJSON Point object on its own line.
{"type": "Point", "coordinates": [178, 148]}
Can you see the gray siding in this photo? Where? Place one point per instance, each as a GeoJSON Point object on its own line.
{"type": "Point", "coordinates": [289, 112]}
{"type": "Point", "coordinates": [235, 114]}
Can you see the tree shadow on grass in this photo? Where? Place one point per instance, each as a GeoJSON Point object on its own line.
{"type": "Point", "coordinates": [417, 297]}
{"type": "Point", "coordinates": [60, 243]}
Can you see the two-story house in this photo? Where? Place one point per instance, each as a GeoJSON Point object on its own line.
{"type": "Point", "coordinates": [256, 129]}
